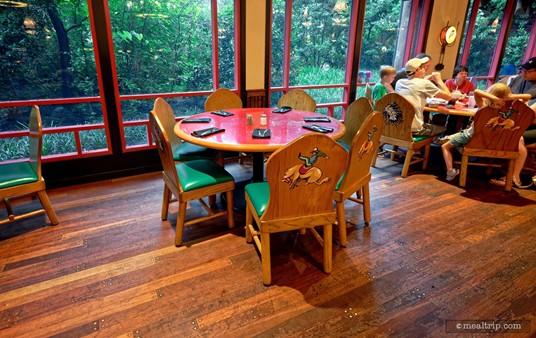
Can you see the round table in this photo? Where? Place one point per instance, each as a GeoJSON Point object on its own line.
{"type": "Point", "coordinates": [237, 136]}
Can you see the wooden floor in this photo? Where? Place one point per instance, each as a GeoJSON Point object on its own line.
{"type": "Point", "coordinates": [434, 255]}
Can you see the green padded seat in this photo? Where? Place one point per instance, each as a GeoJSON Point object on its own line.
{"type": "Point", "coordinates": [259, 194]}
{"type": "Point", "coordinates": [201, 173]}
{"type": "Point", "coordinates": [420, 138]}
{"type": "Point", "coordinates": [344, 145]}
{"type": "Point", "coordinates": [189, 151]}
{"type": "Point", "coordinates": [13, 174]}
{"type": "Point", "coordinates": [340, 181]}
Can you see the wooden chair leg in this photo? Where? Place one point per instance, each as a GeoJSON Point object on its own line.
{"type": "Point", "coordinates": [45, 202]}
{"type": "Point", "coordinates": [165, 203]}
{"type": "Point", "coordinates": [9, 209]}
{"type": "Point", "coordinates": [426, 154]}
{"type": "Point", "coordinates": [179, 229]}
{"type": "Point", "coordinates": [509, 176]}
{"type": "Point", "coordinates": [266, 259]}
{"type": "Point", "coordinates": [407, 161]}
{"type": "Point", "coordinates": [230, 209]}
{"type": "Point", "coordinates": [463, 170]}
{"type": "Point", "coordinates": [366, 203]}
{"type": "Point", "coordinates": [219, 159]}
{"type": "Point", "coordinates": [393, 154]}
{"type": "Point", "coordinates": [373, 164]}
{"type": "Point", "coordinates": [328, 248]}
{"type": "Point", "coordinates": [249, 220]}
{"type": "Point", "coordinates": [359, 194]}
{"type": "Point", "coordinates": [341, 223]}
{"type": "Point", "coordinates": [212, 201]}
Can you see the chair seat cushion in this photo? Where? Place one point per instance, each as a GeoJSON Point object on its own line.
{"type": "Point", "coordinates": [344, 145]}
{"type": "Point", "coordinates": [340, 181]}
{"type": "Point", "coordinates": [420, 138]}
{"type": "Point", "coordinates": [201, 173]}
{"type": "Point", "coordinates": [189, 151]}
{"type": "Point", "coordinates": [259, 194]}
{"type": "Point", "coordinates": [13, 174]}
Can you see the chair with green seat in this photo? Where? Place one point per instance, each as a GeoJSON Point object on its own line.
{"type": "Point", "coordinates": [398, 115]}
{"type": "Point", "coordinates": [297, 99]}
{"type": "Point", "coordinates": [182, 151]}
{"type": "Point", "coordinates": [355, 115]}
{"type": "Point", "coordinates": [356, 178]}
{"type": "Point", "coordinates": [223, 99]}
{"type": "Point", "coordinates": [190, 180]}
{"type": "Point", "coordinates": [301, 179]}
{"type": "Point", "coordinates": [20, 179]}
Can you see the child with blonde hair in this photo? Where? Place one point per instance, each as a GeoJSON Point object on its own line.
{"type": "Point", "coordinates": [494, 97]}
{"type": "Point", "coordinates": [381, 88]}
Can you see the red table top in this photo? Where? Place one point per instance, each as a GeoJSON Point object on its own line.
{"type": "Point", "coordinates": [238, 136]}
{"type": "Point", "coordinates": [460, 109]}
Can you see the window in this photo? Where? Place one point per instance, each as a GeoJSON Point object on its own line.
{"type": "Point", "coordinates": [381, 38]}
{"type": "Point", "coordinates": [486, 34]}
{"type": "Point", "coordinates": [313, 55]}
{"type": "Point", "coordinates": [168, 48]}
{"type": "Point", "coordinates": [518, 38]}
{"type": "Point", "coordinates": [47, 56]}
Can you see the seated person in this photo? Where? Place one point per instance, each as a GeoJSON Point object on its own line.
{"type": "Point", "coordinates": [415, 88]}
{"type": "Point", "coordinates": [459, 87]}
{"type": "Point", "coordinates": [401, 73]}
{"type": "Point", "coordinates": [525, 82]}
{"type": "Point", "coordinates": [529, 137]}
{"type": "Point", "coordinates": [380, 89]}
{"type": "Point", "coordinates": [494, 97]}
{"type": "Point", "coordinates": [459, 82]}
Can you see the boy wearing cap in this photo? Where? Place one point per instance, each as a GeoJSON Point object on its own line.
{"type": "Point", "coordinates": [401, 73]}
{"type": "Point", "coordinates": [416, 89]}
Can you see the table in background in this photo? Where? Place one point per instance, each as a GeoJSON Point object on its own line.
{"type": "Point", "coordinates": [237, 136]}
{"type": "Point", "coordinates": [460, 109]}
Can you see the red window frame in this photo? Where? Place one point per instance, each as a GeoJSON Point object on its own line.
{"type": "Point", "coordinates": [74, 129]}
{"type": "Point", "coordinates": [152, 96]}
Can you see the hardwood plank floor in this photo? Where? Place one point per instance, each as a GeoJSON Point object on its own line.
{"type": "Point", "coordinates": [433, 253]}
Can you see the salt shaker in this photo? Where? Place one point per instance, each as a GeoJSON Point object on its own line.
{"type": "Point", "coordinates": [263, 121]}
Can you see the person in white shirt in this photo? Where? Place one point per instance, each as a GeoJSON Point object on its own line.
{"type": "Point", "coordinates": [415, 88]}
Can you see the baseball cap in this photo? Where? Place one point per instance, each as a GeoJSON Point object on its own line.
{"type": "Point", "coordinates": [530, 64]}
{"type": "Point", "coordinates": [413, 64]}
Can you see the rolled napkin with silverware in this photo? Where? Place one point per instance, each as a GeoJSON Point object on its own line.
{"type": "Point", "coordinates": [261, 133]}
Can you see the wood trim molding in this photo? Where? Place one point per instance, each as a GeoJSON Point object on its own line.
{"type": "Point", "coordinates": [256, 98]}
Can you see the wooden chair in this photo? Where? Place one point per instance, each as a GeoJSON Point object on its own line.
{"type": "Point", "coordinates": [298, 99]}
{"type": "Point", "coordinates": [20, 179]}
{"type": "Point", "coordinates": [355, 115]}
{"type": "Point", "coordinates": [182, 151]}
{"type": "Point", "coordinates": [190, 180]}
{"type": "Point", "coordinates": [296, 197]}
{"type": "Point", "coordinates": [357, 175]}
{"type": "Point", "coordinates": [222, 98]}
{"type": "Point", "coordinates": [497, 134]}
{"type": "Point", "coordinates": [398, 114]}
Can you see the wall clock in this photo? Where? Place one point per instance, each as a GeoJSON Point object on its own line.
{"type": "Point", "coordinates": [447, 37]}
